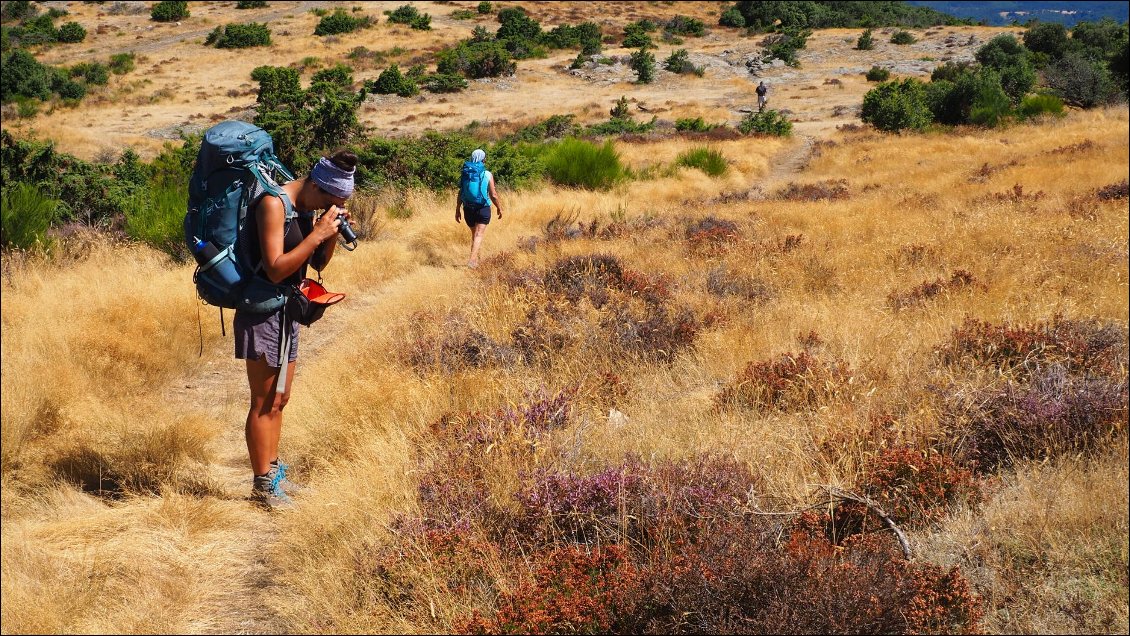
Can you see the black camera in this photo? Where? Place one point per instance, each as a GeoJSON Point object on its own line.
{"type": "Point", "coordinates": [348, 236]}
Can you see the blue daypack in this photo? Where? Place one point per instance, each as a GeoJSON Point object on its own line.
{"type": "Point", "coordinates": [473, 188]}
{"type": "Point", "coordinates": [234, 157]}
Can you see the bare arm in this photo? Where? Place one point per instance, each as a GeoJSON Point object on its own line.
{"type": "Point", "coordinates": [278, 264]}
{"type": "Point", "coordinates": [458, 208]}
{"type": "Point", "coordinates": [494, 196]}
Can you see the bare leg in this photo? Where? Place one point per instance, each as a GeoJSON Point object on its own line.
{"type": "Point", "coordinates": [476, 242]}
{"type": "Point", "coordinates": [264, 415]}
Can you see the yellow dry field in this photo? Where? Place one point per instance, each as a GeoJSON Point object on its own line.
{"type": "Point", "coordinates": [115, 377]}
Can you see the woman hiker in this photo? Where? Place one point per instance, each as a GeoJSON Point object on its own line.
{"type": "Point", "coordinates": [284, 250]}
{"type": "Point", "coordinates": [476, 191]}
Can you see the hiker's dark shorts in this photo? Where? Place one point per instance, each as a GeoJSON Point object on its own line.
{"type": "Point", "coordinates": [257, 336]}
{"type": "Point", "coordinates": [473, 215]}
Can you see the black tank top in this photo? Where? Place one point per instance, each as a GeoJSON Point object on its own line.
{"type": "Point", "coordinates": [294, 232]}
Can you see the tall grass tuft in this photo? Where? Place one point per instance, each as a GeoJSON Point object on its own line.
{"type": "Point", "coordinates": [574, 162]}
{"type": "Point", "coordinates": [157, 218]}
{"type": "Point", "coordinates": [1036, 105]}
{"type": "Point", "coordinates": [27, 214]}
{"type": "Point", "coordinates": [706, 159]}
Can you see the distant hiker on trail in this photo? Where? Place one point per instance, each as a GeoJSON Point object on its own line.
{"type": "Point", "coordinates": [284, 249]}
{"type": "Point", "coordinates": [762, 96]}
{"type": "Point", "coordinates": [476, 191]}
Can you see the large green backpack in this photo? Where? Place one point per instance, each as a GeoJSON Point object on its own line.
{"type": "Point", "coordinates": [236, 160]}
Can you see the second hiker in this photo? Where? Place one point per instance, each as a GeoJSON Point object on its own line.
{"type": "Point", "coordinates": [476, 192]}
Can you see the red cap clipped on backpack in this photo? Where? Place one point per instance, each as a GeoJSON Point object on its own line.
{"type": "Point", "coordinates": [317, 294]}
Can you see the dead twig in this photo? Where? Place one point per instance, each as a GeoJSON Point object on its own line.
{"type": "Point", "coordinates": [873, 507]}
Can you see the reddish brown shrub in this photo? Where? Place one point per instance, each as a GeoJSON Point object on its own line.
{"type": "Point", "coordinates": [789, 382]}
{"type": "Point", "coordinates": [918, 296]}
{"type": "Point", "coordinates": [831, 190]}
{"type": "Point", "coordinates": [721, 281]}
{"type": "Point", "coordinates": [1082, 346]}
{"type": "Point", "coordinates": [916, 487]}
{"type": "Point", "coordinates": [1114, 191]}
{"type": "Point", "coordinates": [712, 235]}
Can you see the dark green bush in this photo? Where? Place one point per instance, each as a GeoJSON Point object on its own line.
{"type": "Point", "coordinates": [404, 14]}
{"type": "Point", "coordinates": [1008, 57]}
{"type": "Point", "coordinates": [90, 72]}
{"type": "Point", "coordinates": [516, 24]}
{"type": "Point", "coordinates": [731, 17]}
{"type": "Point", "coordinates": [17, 10]}
{"type": "Point", "coordinates": [951, 71]}
{"type": "Point", "coordinates": [878, 74]}
{"type": "Point", "coordinates": [392, 82]}
{"type": "Point", "coordinates": [585, 35]}
{"type": "Point", "coordinates": [122, 63]}
{"type": "Point", "coordinates": [903, 37]}
{"type": "Point", "coordinates": [25, 216]}
{"type": "Point", "coordinates": [341, 22]}
{"type": "Point", "coordinates": [784, 45]}
{"type": "Point", "coordinates": [685, 25]}
{"type": "Point", "coordinates": [1080, 81]}
{"type": "Point", "coordinates": [554, 127]}
{"type": "Point", "coordinates": [484, 7]}
{"type": "Point", "coordinates": [422, 22]}
{"type": "Point", "coordinates": [768, 122]}
{"type": "Point", "coordinates": [697, 124]}
{"type": "Point", "coordinates": [574, 162]}
{"type": "Point", "coordinates": [1047, 39]}
{"type": "Point", "coordinates": [71, 32]}
{"type": "Point", "coordinates": [636, 37]}
{"type": "Point", "coordinates": [169, 11]}
{"type": "Point", "coordinates": [679, 62]}
{"type": "Point", "coordinates": [239, 36]}
{"type": "Point", "coordinates": [156, 216]}
{"type": "Point", "coordinates": [463, 14]}
{"type": "Point", "coordinates": [251, 4]}
{"type": "Point", "coordinates": [476, 59]}
{"type": "Point", "coordinates": [434, 160]}
{"type": "Point", "coordinates": [865, 41]}
{"type": "Point", "coordinates": [991, 104]}
{"type": "Point", "coordinates": [895, 106]}
{"type": "Point", "coordinates": [24, 76]}
{"type": "Point", "coordinates": [643, 63]}
{"type": "Point", "coordinates": [707, 160]}
{"type": "Point", "coordinates": [445, 83]}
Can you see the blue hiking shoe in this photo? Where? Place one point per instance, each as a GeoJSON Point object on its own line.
{"type": "Point", "coordinates": [267, 490]}
{"type": "Point", "coordinates": [289, 487]}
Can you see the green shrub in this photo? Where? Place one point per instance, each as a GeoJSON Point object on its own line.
{"type": "Point", "coordinates": [784, 45]}
{"type": "Point", "coordinates": [894, 106]}
{"type": "Point", "coordinates": [463, 14]}
{"type": "Point", "coordinates": [434, 159]}
{"type": "Point", "coordinates": [71, 32]}
{"type": "Point", "coordinates": [169, 11]}
{"type": "Point", "coordinates": [90, 72]}
{"type": "Point", "coordinates": [709, 161]}
{"type": "Point", "coordinates": [636, 37]}
{"type": "Point", "coordinates": [17, 10]}
{"type": "Point", "coordinates": [25, 216]}
{"type": "Point", "coordinates": [239, 36]}
{"type": "Point", "coordinates": [515, 24]}
{"type": "Point", "coordinates": [566, 36]}
{"type": "Point", "coordinates": [122, 63]}
{"type": "Point", "coordinates": [485, 7]}
{"type": "Point", "coordinates": [685, 25]}
{"type": "Point", "coordinates": [156, 216]}
{"type": "Point", "coordinates": [768, 122]}
{"type": "Point", "coordinates": [878, 74]}
{"type": "Point", "coordinates": [903, 37]}
{"type": "Point", "coordinates": [445, 83]}
{"type": "Point", "coordinates": [251, 4]}
{"type": "Point", "coordinates": [24, 76]}
{"type": "Point", "coordinates": [422, 22]}
{"type": "Point", "coordinates": [1081, 82]}
{"type": "Point", "coordinates": [392, 82]}
{"type": "Point", "coordinates": [865, 41]}
{"type": "Point", "coordinates": [643, 63]}
{"type": "Point", "coordinates": [951, 71]}
{"type": "Point", "coordinates": [732, 18]}
{"type": "Point", "coordinates": [476, 59]}
{"type": "Point", "coordinates": [991, 105]}
{"type": "Point", "coordinates": [404, 14]}
{"type": "Point", "coordinates": [1042, 104]}
{"type": "Point", "coordinates": [697, 124]}
{"type": "Point", "coordinates": [679, 62]}
{"type": "Point", "coordinates": [341, 22]}
{"type": "Point", "coordinates": [554, 127]}
{"type": "Point", "coordinates": [574, 162]}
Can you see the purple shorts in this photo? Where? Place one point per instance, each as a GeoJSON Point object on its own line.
{"type": "Point", "coordinates": [257, 336]}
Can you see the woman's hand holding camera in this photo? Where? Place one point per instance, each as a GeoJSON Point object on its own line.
{"type": "Point", "coordinates": [331, 222]}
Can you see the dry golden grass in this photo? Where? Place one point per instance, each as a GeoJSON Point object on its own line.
{"type": "Point", "coordinates": [103, 385]}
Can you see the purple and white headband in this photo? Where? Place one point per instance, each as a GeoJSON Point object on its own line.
{"type": "Point", "coordinates": [333, 179]}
